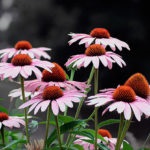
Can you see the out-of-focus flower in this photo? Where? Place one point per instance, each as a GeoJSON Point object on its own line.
{"type": "Point", "coordinates": [109, 141]}
{"type": "Point", "coordinates": [35, 145]}
{"type": "Point", "coordinates": [55, 78]}
{"type": "Point", "coordinates": [98, 36]}
{"type": "Point", "coordinates": [54, 97]}
{"type": "Point", "coordinates": [95, 54]}
{"type": "Point", "coordinates": [10, 121]}
{"type": "Point", "coordinates": [23, 64]}
{"type": "Point", "coordinates": [24, 47]}
{"type": "Point", "coordinates": [18, 93]}
{"type": "Point", "coordinates": [123, 99]}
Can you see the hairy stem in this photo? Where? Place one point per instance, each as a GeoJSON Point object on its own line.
{"type": "Point", "coordinates": [25, 109]}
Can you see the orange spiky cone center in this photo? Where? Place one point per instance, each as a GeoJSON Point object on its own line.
{"type": "Point", "coordinates": [100, 33]}
{"type": "Point", "coordinates": [52, 92]}
{"type": "Point", "coordinates": [23, 45]}
{"type": "Point", "coordinates": [21, 60]}
{"type": "Point", "coordinates": [3, 116]}
{"type": "Point", "coordinates": [57, 74]}
{"type": "Point", "coordinates": [104, 133]}
{"type": "Point", "coordinates": [124, 93]}
{"type": "Point", "coordinates": [95, 50]}
{"type": "Point", "coordinates": [139, 84]}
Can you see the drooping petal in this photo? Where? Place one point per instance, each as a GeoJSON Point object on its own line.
{"type": "Point", "coordinates": [127, 111]}
{"type": "Point", "coordinates": [55, 108]}
{"type": "Point", "coordinates": [45, 104]}
{"type": "Point", "coordinates": [136, 111]}
{"type": "Point", "coordinates": [95, 61]}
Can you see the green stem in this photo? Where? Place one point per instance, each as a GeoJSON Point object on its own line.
{"type": "Point", "coordinates": [82, 99]}
{"type": "Point", "coordinates": [81, 102]}
{"type": "Point", "coordinates": [125, 129]}
{"type": "Point", "coordinates": [146, 140]}
{"type": "Point", "coordinates": [25, 109]}
{"type": "Point", "coordinates": [47, 126]}
{"type": "Point", "coordinates": [120, 129]}
{"type": "Point", "coordinates": [96, 108]}
{"type": "Point", "coordinates": [71, 79]}
{"type": "Point", "coordinates": [2, 133]}
{"type": "Point", "coordinates": [58, 133]}
{"type": "Point", "coordinates": [90, 117]}
{"type": "Point", "coordinates": [72, 74]}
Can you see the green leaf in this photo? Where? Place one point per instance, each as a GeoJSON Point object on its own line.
{"type": "Point", "coordinates": [13, 143]}
{"type": "Point", "coordinates": [63, 129]}
{"type": "Point", "coordinates": [3, 109]}
{"type": "Point", "coordinates": [65, 119]}
{"type": "Point", "coordinates": [127, 146]}
{"type": "Point", "coordinates": [103, 146]}
{"type": "Point", "coordinates": [108, 122]}
{"type": "Point", "coordinates": [89, 133]}
{"type": "Point", "coordinates": [84, 133]}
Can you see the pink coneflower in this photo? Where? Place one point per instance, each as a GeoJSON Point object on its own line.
{"type": "Point", "coordinates": [54, 96]}
{"type": "Point", "coordinates": [123, 99]}
{"type": "Point", "coordinates": [98, 36]}
{"type": "Point", "coordinates": [95, 54]}
{"type": "Point", "coordinates": [110, 142]}
{"type": "Point", "coordinates": [24, 47]}
{"type": "Point", "coordinates": [22, 64]}
{"type": "Point", "coordinates": [10, 121]}
{"type": "Point", "coordinates": [18, 93]}
{"type": "Point", "coordinates": [55, 78]}
{"type": "Point", "coordinates": [139, 84]}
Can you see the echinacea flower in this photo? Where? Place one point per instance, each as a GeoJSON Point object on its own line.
{"type": "Point", "coordinates": [109, 141]}
{"type": "Point", "coordinates": [98, 36]}
{"type": "Point", "coordinates": [23, 64]}
{"type": "Point", "coordinates": [54, 97]}
{"type": "Point", "coordinates": [35, 145]}
{"type": "Point", "coordinates": [24, 47]}
{"type": "Point", "coordinates": [95, 54]}
{"type": "Point", "coordinates": [10, 121]}
{"type": "Point", "coordinates": [123, 99]}
{"type": "Point", "coordinates": [55, 78]}
{"type": "Point", "coordinates": [139, 84]}
{"type": "Point", "coordinates": [18, 93]}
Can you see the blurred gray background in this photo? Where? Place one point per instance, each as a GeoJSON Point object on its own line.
{"type": "Point", "coordinates": [48, 22]}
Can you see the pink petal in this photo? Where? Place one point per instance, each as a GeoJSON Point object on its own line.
{"type": "Point", "coordinates": [127, 111]}
{"type": "Point", "coordinates": [28, 103]}
{"type": "Point", "coordinates": [95, 61]}
{"type": "Point", "coordinates": [62, 106]}
{"type": "Point", "coordinates": [33, 106]}
{"type": "Point", "coordinates": [103, 60]}
{"type": "Point", "coordinates": [45, 104]}
{"type": "Point", "coordinates": [136, 111]}
{"type": "Point", "coordinates": [55, 107]}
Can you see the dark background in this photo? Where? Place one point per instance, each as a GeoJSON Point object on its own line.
{"type": "Point", "coordinates": [48, 22]}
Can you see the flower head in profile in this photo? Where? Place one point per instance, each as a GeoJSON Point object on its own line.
{"type": "Point", "coordinates": [10, 121]}
{"type": "Point", "coordinates": [98, 36]}
{"type": "Point", "coordinates": [95, 54]}
{"type": "Point", "coordinates": [123, 99]}
{"type": "Point", "coordinates": [24, 47]}
{"type": "Point", "coordinates": [139, 84]}
{"type": "Point", "coordinates": [55, 78]}
{"type": "Point", "coordinates": [24, 65]}
{"type": "Point", "coordinates": [110, 142]}
{"type": "Point", "coordinates": [18, 93]}
{"type": "Point", "coordinates": [54, 97]}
